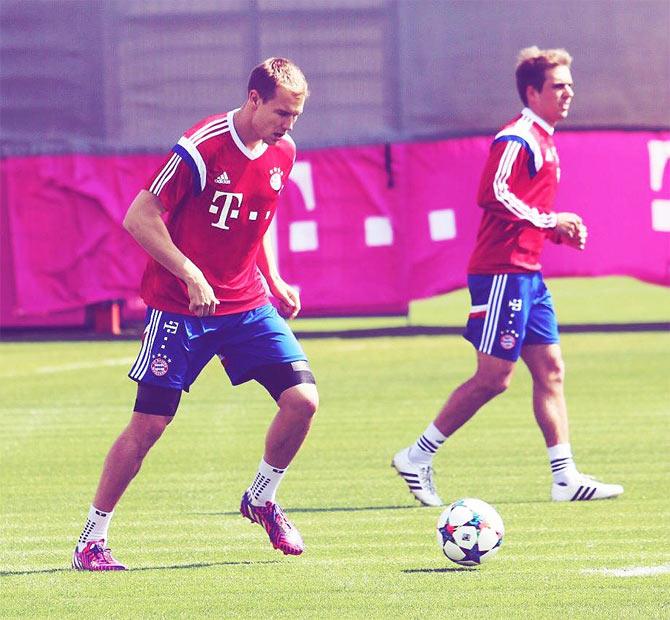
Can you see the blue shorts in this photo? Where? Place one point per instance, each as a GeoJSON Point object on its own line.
{"type": "Point", "coordinates": [176, 347]}
{"type": "Point", "coordinates": [510, 310]}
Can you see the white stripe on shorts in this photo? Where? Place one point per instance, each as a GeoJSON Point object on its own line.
{"type": "Point", "coordinates": [491, 322]}
{"type": "Point", "coordinates": [141, 365]}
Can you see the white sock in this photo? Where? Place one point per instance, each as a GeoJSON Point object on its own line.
{"type": "Point", "coordinates": [96, 526]}
{"type": "Point", "coordinates": [427, 445]}
{"type": "Point", "coordinates": [264, 487]}
{"type": "Point", "coordinates": [561, 462]}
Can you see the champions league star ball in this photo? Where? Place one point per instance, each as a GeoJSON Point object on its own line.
{"type": "Point", "coordinates": [470, 531]}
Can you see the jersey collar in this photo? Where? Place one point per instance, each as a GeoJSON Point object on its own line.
{"type": "Point", "coordinates": [540, 121]}
{"type": "Point", "coordinates": [257, 152]}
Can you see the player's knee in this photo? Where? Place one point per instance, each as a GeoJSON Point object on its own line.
{"type": "Point", "coordinates": [559, 370]}
{"type": "Point", "coordinates": [291, 380]}
{"type": "Point", "coordinates": [154, 409]}
{"type": "Point", "coordinates": [555, 371]}
{"type": "Point", "coordinates": [498, 386]}
{"type": "Point", "coordinates": [145, 430]}
{"type": "Point", "coordinates": [493, 375]}
{"type": "Point", "coordinates": [492, 384]}
{"type": "Point", "coordinates": [301, 400]}
{"type": "Point", "coordinates": [152, 434]}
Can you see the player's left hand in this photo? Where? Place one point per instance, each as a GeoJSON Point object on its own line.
{"type": "Point", "coordinates": [582, 234]}
{"type": "Point", "coordinates": [577, 240]}
{"type": "Point", "coordinates": [288, 297]}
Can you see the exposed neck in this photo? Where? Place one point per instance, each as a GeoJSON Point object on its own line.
{"type": "Point", "coordinates": [546, 125]}
{"type": "Point", "coordinates": [244, 128]}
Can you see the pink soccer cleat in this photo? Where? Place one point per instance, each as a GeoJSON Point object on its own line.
{"type": "Point", "coordinates": [95, 556]}
{"type": "Point", "coordinates": [283, 534]}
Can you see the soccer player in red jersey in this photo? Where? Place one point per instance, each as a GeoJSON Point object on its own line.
{"type": "Point", "coordinates": [512, 313]}
{"type": "Point", "coordinates": [203, 219]}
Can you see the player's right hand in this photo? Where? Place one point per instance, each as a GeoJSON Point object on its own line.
{"type": "Point", "coordinates": [201, 298]}
{"type": "Point", "coordinates": [202, 301]}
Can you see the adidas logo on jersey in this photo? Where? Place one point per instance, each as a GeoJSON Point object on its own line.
{"type": "Point", "coordinates": [223, 178]}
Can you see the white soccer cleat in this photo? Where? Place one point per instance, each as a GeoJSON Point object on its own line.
{"type": "Point", "coordinates": [419, 479]}
{"type": "Point", "coordinates": [583, 488]}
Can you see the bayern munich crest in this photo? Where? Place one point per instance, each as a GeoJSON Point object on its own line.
{"type": "Point", "coordinates": [276, 175]}
{"type": "Point", "coordinates": [159, 367]}
{"type": "Point", "coordinates": [507, 341]}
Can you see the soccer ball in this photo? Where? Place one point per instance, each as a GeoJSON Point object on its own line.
{"type": "Point", "coordinates": [470, 531]}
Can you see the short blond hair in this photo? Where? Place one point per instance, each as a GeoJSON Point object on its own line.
{"type": "Point", "coordinates": [532, 64]}
{"type": "Point", "coordinates": [273, 72]}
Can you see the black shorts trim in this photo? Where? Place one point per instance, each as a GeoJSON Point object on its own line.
{"type": "Point", "coordinates": [157, 400]}
{"type": "Point", "coordinates": [276, 378]}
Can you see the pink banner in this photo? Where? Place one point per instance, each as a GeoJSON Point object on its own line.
{"type": "Point", "coordinates": [359, 230]}
{"type": "Point", "coordinates": [339, 236]}
{"type": "Point", "coordinates": [68, 247]}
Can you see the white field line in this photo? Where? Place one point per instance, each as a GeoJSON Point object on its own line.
{"type": "Point", "coordinates": [48, 370]}
{"type": "Point", "coordinates": [632, 571]}
{"type": "Point", "coordinates": [119, 361]}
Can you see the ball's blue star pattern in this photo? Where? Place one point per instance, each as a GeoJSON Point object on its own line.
{"type": "Point", "coordinates": [473, 555]}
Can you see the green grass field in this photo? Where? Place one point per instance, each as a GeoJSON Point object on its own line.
{"type": "Point", "coordinates": [612, 299]}
{"type": "Point", "coordinates": [371, 550]}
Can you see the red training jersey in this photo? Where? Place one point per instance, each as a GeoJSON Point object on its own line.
{"type": "Point", "coordinates": [517, 191]}
{"type": "Point", "coordinates": [220, 199]}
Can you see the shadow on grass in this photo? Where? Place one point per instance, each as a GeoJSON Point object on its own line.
{"type": "Point", "coordinates": [45, 571]}
{"type": "Point", "coordinates": [328, 509]}
{"type": "Point", "coordinates": [295, 510]}
{"type": "Point", "coordinates": [445, 569]}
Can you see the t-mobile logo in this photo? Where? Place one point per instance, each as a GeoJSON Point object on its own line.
{"type": "Point", "coordinates": [228, 207]}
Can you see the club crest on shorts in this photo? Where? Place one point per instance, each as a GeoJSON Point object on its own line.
{"type": "Point", "coordinates": [159, 366]}
{"type": "Point", "coordinates": [507, 341]}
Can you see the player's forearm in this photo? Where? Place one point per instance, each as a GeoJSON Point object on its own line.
{"type": "Point", "coordinates": [145, 224]}
{"type": "Point", "coordinates": [266, 260]}
{"type": "Point", "coordinates": [500, 185]}
{"type": "Point", "coordinates": [508, 206]}
{"type": "Point", "coordinates": [531, 215]}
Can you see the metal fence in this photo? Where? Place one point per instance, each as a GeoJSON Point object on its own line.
{"type": "Point", "coordinates": [131, 75]}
